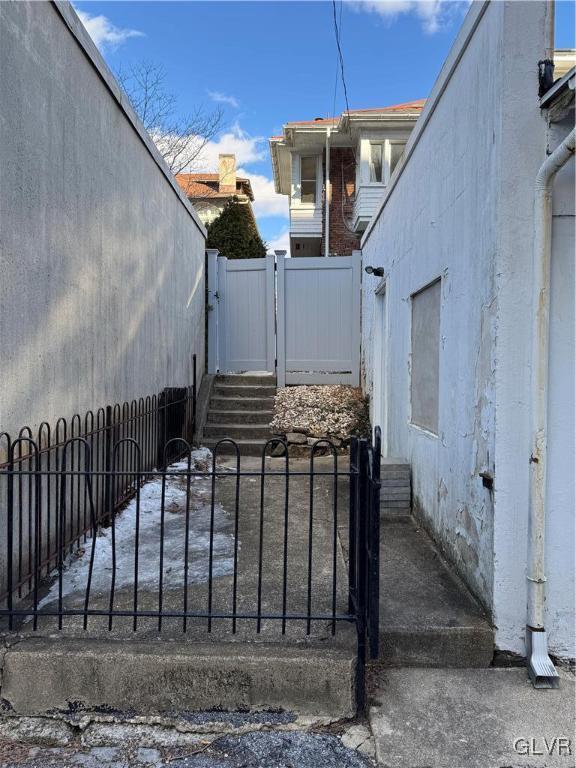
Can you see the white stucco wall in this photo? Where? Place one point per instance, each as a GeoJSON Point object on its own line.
{"type": "Point", "coordinates": [461, 208]}
{"type": "Point", "coordinates": [102, 257]}
{"type": "Point", "coordinates": [513, 424]}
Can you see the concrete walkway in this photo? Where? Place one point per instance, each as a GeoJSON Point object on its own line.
{"type": "Point", "coordinates": [471, 718]}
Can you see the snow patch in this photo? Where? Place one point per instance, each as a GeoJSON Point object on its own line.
{"type": "Point", "coordinates": [76, 567]}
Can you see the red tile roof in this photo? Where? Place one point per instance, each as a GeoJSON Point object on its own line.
{"type": "Point", "coordinates": [196, 185]}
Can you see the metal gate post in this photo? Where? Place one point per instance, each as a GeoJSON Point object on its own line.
{"type": "Point", "coordinates": [162, 405]}
{"type": "Point", "coordinates": [362, 572]}
{"type": "Point", "coordinates": [374, 548]}
{"type": "Point", "coordinates": [108, 447]}
{"type": "Point", "coordinates": [352, 526]}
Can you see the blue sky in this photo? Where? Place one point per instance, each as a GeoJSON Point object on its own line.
{"type": "Point", "coordinates": [267, 63]}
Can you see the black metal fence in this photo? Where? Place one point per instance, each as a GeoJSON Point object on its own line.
{"type": "Point", "coordinates": [57, 484]}
{"type": "Point", "coordinates": [259, 567]}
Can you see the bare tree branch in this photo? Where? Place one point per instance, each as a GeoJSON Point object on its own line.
{"type": "Point", "coordinates": [180, 141]}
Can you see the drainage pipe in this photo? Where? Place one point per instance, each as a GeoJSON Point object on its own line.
{"type": "Point", "coordinates": [540, 667]}
{"type": "Point", "coordinates": [328, 196]}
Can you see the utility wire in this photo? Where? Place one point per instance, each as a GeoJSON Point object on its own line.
{"type": "Point", "coordinates": [333, 113]}
{"type": "Point", "coordinates": [341, 59]}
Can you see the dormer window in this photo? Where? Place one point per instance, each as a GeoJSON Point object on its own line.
{"type": "Point", "coordinates": [376, 162]}
{"type": "Point", "coordinates": [308, 169]}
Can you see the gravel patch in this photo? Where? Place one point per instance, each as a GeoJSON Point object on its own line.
{"type": "Point", "coordinates": [321, 411]}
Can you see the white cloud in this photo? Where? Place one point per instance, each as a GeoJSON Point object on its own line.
{"type": "Point", "coordinates": [281, 242]}
{"type": "Point", "coordinates": [103, 32]}
{"type": "Point", "coordinates": [267, 202]}
{"type": "Point", "coordinates": [248, 149]}
{"type": "Point", "coordinates": [434, 14]}
{"type": "Point", "coordinates": [222, 98]}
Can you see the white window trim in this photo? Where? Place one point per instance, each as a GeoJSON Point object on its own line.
{"type": "Point", "coordinates": [385, 155]}
{"type": "Point", "coordinates": [296, 200]}
{"type": "Point", "coordinates": [390, 143]}
{"type": "Point", "coordinates": [364, 173]}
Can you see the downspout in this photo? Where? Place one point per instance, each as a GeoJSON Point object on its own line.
{"type": "Point", "coordinates": [540, 667]}
{"type": "Point", "coordinates": [327, 196]}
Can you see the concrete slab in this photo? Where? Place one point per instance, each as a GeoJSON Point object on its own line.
{"type": "Point", "coordinates": [490, 718]}
{"type": "Point", "coordinates": [427, 616]}
{"type": "Point", "coordinates": [61, 677]}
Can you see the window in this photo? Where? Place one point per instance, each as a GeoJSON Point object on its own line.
{"type": "Point", "coordinates": [376, 162]}
{"type": "Point", "coordinates": [396, 152]}
{"type": "Point", "coordinates": [424, 383]}
{"type": "Point", "coordinates": [308, 167]}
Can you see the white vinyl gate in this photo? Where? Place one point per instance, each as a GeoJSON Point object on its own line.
{"type": "Point", "coordinates": [298, 318]}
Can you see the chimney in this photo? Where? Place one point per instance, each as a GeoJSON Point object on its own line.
{"type": "Point", "coordinates": [227, 174]}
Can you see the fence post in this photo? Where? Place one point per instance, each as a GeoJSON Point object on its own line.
{"type": "Point", "coordinates": [10, 533]}
{"type": "Point", "coordinates": [108, 448]}
{"type": "Point", "coordinates": [352, 523]}
{"type": "Point", "coordinates": [280, 320]}
{"type": "Point", "coordinates": [161, 429]}
{"type": "Point", "coordinates": [194, 393]}
{"type": "Point", "coordinates": [212, 310]}
{"type": "Point", "coordinates": [271, 312]}
{"type": "Point", "coordinates": [374, 546]}
{"type": "Point", "coordinates": [362, 572]}
{"type": "Point", "coordinates": [356, 315]}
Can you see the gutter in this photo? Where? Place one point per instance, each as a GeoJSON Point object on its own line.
{"type": "Point", "coordinates": [540, 667]}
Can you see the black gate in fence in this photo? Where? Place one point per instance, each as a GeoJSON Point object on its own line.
{"type": "Point", "coordinates": [119, 525]}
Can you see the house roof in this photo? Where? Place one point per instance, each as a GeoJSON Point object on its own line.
{"type": "Point", "coordinates": [564, 85]}
{"type": "Point", "coordinates": [344, 130]}
{"type": "Point", "coordinates": [407, 107]}
{"type": "Point", "coordinates": [199, 185]}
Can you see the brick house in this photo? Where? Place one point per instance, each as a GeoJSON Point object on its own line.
{"type": "Point", "coordinates": [361, 149]}
{"type": "Point", "coordinates": [209, 192]}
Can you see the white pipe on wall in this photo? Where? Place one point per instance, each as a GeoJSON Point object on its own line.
{"type": "Point", "coordinates": [539, 395]}
{"type": "Point", "coordinates": [327, 196]}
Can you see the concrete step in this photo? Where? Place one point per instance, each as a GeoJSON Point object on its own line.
{"type": "Point", "coordinates": [225, 403]}
{"type": "Point", "coordinates": [395, 474]}
{"type": "Point", "coordinates": [246, 379]}
{"type": "Point", "coordinates": [390, 464]}
{"type": "Point", "coordinates": [396, 493]}
{"type": "Point", "coordinates": [427, 616]}
{"type": "Point", "coordinates": [239, 390]}
{"type": "Point", "coordinates": [395, 482]}
{"type": "Point", "coordinates": [239, 431]}
{"type": "Point", "coordinates": [395, 504]}
{"type": "Point", "coordinates": [235, 417]}
{"type": "Point", "coordinates": [41, 677]}
{"type": "Point", "coordinates": [246, 447]}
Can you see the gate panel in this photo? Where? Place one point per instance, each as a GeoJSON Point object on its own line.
{"type": "Point", "coordinates": [319, 320]}
{"type": "Point", "coordinates": [242, 315]}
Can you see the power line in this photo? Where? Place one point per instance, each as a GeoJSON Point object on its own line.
{"type": "Point", "coordinates": [341, 58]}
{"type": "Point", "coordinates": [333, 112]}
